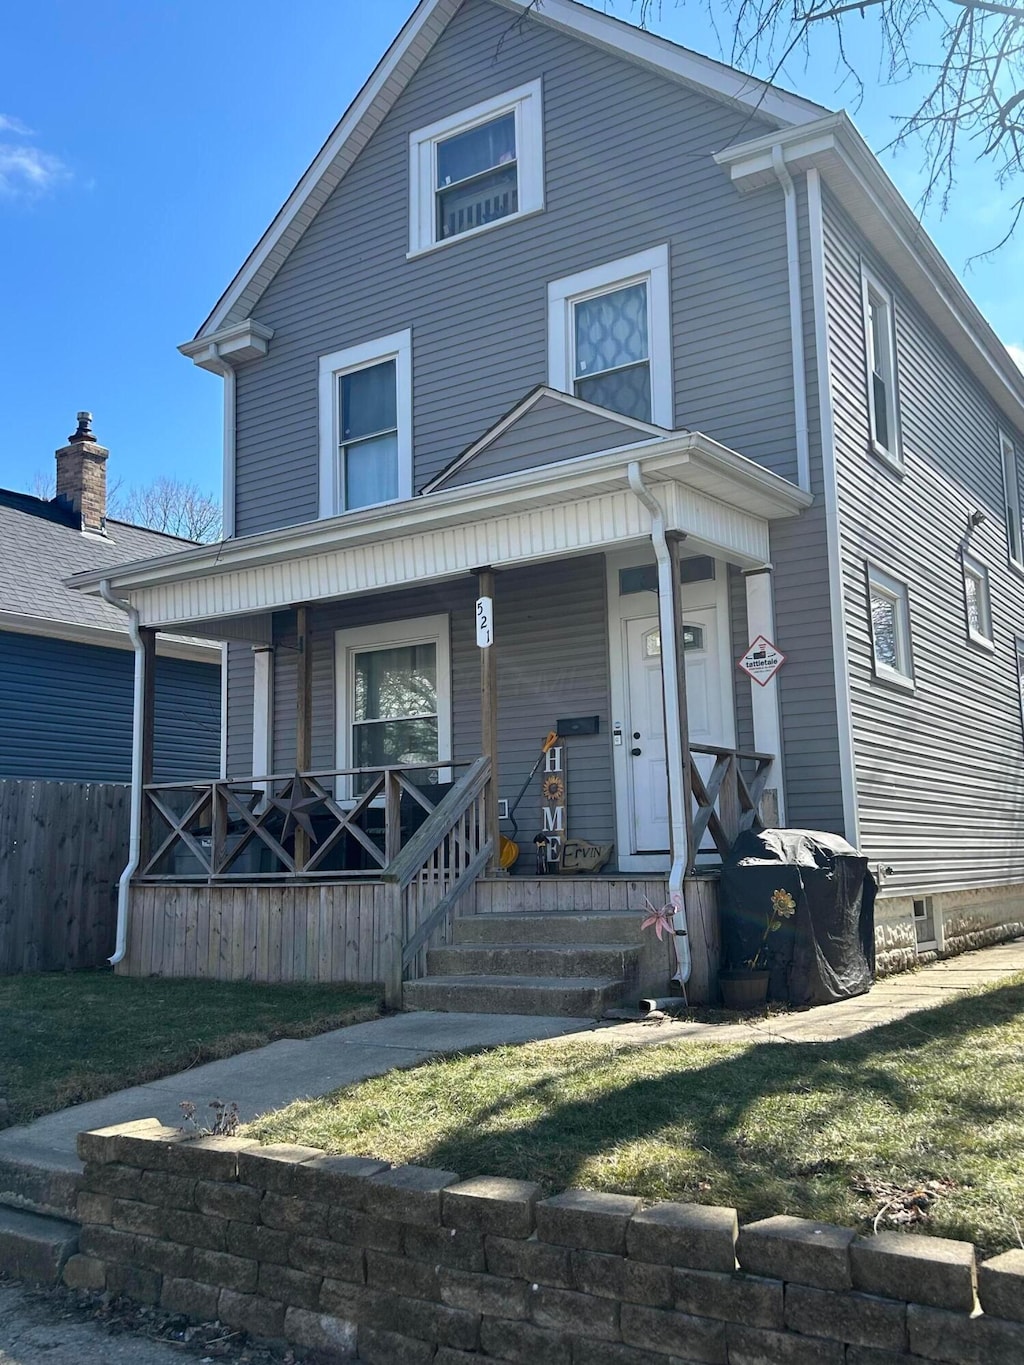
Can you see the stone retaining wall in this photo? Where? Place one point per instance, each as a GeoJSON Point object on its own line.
{"type": "Point", "coordinates": [406, 1265]}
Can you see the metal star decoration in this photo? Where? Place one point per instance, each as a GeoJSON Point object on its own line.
{"type": "Point", "coordinates": [295, 804]}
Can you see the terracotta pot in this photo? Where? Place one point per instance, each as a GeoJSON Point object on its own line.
{"type": "Point", "coordinates": [743, 989]}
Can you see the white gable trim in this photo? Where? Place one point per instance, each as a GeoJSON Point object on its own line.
{"type": "Point", "coordinates": [644, 429]}
{"type": "Point", "coordinates": [397, 67]}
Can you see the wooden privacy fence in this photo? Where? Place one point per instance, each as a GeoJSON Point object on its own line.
{"type": "Point", "coordinates": [63, 846]}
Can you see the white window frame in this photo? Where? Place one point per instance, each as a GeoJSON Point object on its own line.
{"type": "Point", "coordinates": [646, 267]}
{"type": "Point", "coordinates": [1011, 498]}
{"type": "Point", "coordinates": [417, 630]}
{"type": "Point", "coordinates": [874, 291]}
{"type": "Point", "coordinates": [397, 347]}
{"type": "Point", "coordinates": [882, 584]}
{"type": "Point", "coordinates": [973, 567]}
{"type": "Point", "coordinates": [526, 102]}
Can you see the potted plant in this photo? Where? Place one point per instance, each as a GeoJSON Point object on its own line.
{"type": "Point", "coordinates": [746, 987]}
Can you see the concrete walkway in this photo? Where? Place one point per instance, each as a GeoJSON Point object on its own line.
{"type": "Point", "coordinates": [295, 1069]}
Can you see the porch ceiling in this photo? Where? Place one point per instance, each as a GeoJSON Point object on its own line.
{"type": "Point", "coordinates": [717, 497]}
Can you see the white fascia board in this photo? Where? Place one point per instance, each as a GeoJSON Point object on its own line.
{"type": "Point", "coordinates": [859, 182]}
{"type": "Point", "coordinates": [220, 351]}
{"type": "Point", "coordinates": [105, 637]}
{"type": "Point", "coordinates": [752, 488]}
{"type": "Point", "coordinates": [626, 40]}
{"type": "Point", "coordinates": [395, 70]}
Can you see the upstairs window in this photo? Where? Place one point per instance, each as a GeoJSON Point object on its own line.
{"type": "Point", "coordinates": [880, 340]}
{"type": "Point", "coordinates": [890, 628]}
{"type": "Point", "coordinates": [977, 602]}
{"type": "Point", "coordinates": [1011, 492]}
{"type": "Point", "coordinates": [365, 425]}
{"type": "Point", "coordinates": [609, 337]}
{"type": "Point", "coordinates": [476, 169]}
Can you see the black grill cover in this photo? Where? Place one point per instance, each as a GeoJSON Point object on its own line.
{"type": "Point", "coordinates": [826, 951]}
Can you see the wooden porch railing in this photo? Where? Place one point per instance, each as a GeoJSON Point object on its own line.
{"type": "Point", "coordinates": [285, 825]}
{"type": "Point", "coordinates": [437, 866]}
{"type": "Point", "coordinates": [728, 801]}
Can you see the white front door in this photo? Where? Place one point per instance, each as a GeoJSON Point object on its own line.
{"type": "Point", "coordinates": [645, 737]}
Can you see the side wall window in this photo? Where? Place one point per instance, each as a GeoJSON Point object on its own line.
{"type": "Point", "coordinates": [366, 425]}
{"type": "Point", "coordinates": [610, 336]}
{"type": "Point", "coordinates": [1011, 493]}
{"type": "Point", "coordinates": [880, 348]}
{"type": "Point", "coordinates": [977, 601]}
{"type": "Point", "coordinates": [889, 610]}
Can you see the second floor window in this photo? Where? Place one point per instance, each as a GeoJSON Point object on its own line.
{"type": "Point", "coordinates": [476, 169]}
{"type": "Point", "coordinates": [365, 425]}
{"type": "Point", "coordinates": [609, 337]}
{"type": "Point", "coordinates": [880, 342]}
{"type": "Point", "coordinates": [1011, 494]}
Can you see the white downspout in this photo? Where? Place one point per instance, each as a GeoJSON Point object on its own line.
{"type": "Point", "coordinates": [673, 723]}
{"type": "Point", "coordinates": [138, 720]}
{"type": "Point", "coordinates": [796, 321]}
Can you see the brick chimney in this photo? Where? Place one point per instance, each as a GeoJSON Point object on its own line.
{"type": "Point", "coordinates": [82, 476]}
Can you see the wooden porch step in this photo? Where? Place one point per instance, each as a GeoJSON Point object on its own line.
{"type": "Point", "coordinates": [578, 997]}
{"type": "Point", "coordinates": [572, 960]}
{"type": "Point", "coordinates": [581, 928]}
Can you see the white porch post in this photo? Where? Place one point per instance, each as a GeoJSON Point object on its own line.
{"type": "Point", "coordinates": [765, 696]}
{"type": "Point", "coordinates": [262, 712]}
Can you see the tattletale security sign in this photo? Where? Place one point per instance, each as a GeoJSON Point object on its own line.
{"type": "Point", "coordinates": [762, 660]}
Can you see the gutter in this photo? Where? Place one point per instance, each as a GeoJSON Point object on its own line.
{"type": "Point", "coordinates": [138, 719]}
{"type": "Point", "coordinates": [796, 320]}
{"type": "Point", "coordinates": [673, 724]}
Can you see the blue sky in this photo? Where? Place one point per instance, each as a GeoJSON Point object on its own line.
{"type": "Point", "coordinates": [144, 147]}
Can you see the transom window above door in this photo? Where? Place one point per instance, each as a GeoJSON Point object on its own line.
{"type": "Point", "coordinates": [476, 169]}
{"type": "Point", "coordinates": [610, 334]}
{"type": "Point", "coordinates": [366, 425]}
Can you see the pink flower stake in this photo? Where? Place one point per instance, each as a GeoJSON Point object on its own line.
{"type": "Point", "coordinates": [659, 920]}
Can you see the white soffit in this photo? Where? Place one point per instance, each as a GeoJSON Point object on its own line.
{"type": "Point", "coordinates": [400, 63]}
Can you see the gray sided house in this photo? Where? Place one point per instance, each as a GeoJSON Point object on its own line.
{"type": "Point", "coordinates": [577, 369]}
{"type": "Point", "coordinates": [66, 660]}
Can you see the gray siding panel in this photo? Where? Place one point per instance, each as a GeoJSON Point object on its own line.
{"type": "Point", "coordinates": [67, 713]}
{"type": "Point", "coordinates": [940, 774]}
{"type": "Point", "coordinates": [240, 709]}
{"type": "Point", "coordinates": [628, 166]}
{"type": "Point", "coordinates": [551, 431]}
{"type": "Point", "coordinates": [552, 643]}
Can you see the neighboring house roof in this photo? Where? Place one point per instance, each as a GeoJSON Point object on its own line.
{"type": "Point", "coordinates": [394, 72]}
{"type": "Point", "coordinates": [43, 545]}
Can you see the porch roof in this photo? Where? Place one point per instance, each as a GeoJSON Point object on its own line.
{"type": "Point", "coordinates": [720, 499]}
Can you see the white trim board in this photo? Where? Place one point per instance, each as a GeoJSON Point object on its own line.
{"type": "Point", "coordinates": [107, 637]}
{"type": "Point", "coordinates": [400, 63]}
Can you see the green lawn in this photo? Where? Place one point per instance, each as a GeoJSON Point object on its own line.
{"type": "Point", "coordinates": [67, 1038]}
{"type": "Point", "coordinates": [831, 1131]}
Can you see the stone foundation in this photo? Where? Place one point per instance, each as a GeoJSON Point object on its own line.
{"type": "Point", "coordinates": [406, 1265]}
{"type": "Point", "coordinates": [963, 920]}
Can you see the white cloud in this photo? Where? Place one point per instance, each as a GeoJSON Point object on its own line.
{"type": "Point", "coordinates": [10, 124]}
{"type": "Point", "coordinates": [1018, 354]}
{"type": "Point", "coordinates": [26, 171]}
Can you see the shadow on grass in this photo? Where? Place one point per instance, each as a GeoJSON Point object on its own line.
{"type": "Point", "coordinates": [875, 1088]}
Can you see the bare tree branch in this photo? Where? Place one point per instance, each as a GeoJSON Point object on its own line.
{"type": "Point", "coordinates": [169, 505]}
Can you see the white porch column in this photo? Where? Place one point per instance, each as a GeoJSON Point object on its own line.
{"type": "Point", "coordinates": [262, 711]}
{"type": "Point", "coordinates": [765, 696]}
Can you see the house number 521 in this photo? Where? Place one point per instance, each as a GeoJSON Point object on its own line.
{"type": "Point", "coordinates": [484, 622]}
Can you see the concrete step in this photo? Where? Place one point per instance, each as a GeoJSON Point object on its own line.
{"type": "Point", "coordinates": [33, 1247]}
{"type": "Point", "coordinates": [582, 996]}
{"type": "Point", "coordinates": [561, 926]}
{"type": "Point", "coordinates": [535, 959]}
{"type": "Point", "coordinates": [36, 1179]}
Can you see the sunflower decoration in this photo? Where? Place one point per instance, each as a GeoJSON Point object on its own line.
{"type": "Point", "coordinates": [553, 788]}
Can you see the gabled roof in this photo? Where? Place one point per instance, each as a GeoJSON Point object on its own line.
{"type": "Point", "coordinates": [43, 545]}
{"type": "Point", "coordinates": [536, 431]}
{"type": "Point", "coordinates": [394, 72]}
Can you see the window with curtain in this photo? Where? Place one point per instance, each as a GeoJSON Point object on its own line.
{"type": "Point", "coordinates": [612, 350]}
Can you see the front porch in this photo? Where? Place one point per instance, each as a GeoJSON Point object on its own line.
{"type": "Point", "coordinates": [378, 741]}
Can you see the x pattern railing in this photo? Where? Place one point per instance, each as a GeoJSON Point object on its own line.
{"type": "Point", "coordinates": [728, 801]}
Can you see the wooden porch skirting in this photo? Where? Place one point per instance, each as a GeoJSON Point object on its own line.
{"type": "Point", "coordinates": [335, 931]}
